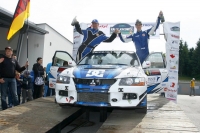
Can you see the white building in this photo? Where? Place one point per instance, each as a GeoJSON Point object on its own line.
{"type": "Point", "coordinates": [43, 41]}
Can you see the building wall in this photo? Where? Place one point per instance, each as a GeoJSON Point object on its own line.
{"type": "Point", "coordinates": [35, 49]}
{"type": "Point", "coordinates": [38, 45]}
{"type": "Point", "coordinates": [52, 42]}
{"type": "Point", "coordinates": [4, 42]}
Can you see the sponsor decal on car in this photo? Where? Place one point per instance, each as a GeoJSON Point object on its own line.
{"type": "Point", "coordinates": [96, 73]}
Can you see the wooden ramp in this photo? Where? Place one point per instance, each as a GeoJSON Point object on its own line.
{"type": "Point", "coordinates": [38, 116]}
{"type": "Point", "coordinates": [163, 116]}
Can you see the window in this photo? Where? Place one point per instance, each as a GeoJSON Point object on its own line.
{"type": "Point", "coordinates": [61, 59]}
{"type": "Point", "coordinates": [111, 58]}
{"type": "Point", "coordinates": [156, 60]}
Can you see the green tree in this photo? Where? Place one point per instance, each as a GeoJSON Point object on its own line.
{"type": "Point", "coordinates": [181, 59]}
{"type": "Point", "coordinates": [185, 57]}
{"type": "Point", "coordinates": [191, 61]}
{"type": "Point", "coordinates": [196, 61]}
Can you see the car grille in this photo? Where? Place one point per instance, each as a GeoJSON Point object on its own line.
{"type": "Point", "coordinates": [93, 97]}
{"type": "Point", "coordinates": [97, 81]}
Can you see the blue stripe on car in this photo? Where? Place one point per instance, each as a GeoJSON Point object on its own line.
{"type": "Point", "coordinates": [150, 88]}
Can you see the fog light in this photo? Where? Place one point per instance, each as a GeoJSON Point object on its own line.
{"type": "Point", "coordinates": [114, 100]}
{"type": "Point", "coordinates": [127, 96]}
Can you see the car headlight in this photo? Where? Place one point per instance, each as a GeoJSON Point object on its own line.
{"type": "Point", "coordinates": [63, 79]}
{"type": "Point", "coordinates": [140, 81]}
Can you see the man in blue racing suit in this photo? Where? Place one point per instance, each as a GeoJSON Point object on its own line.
{"type": "Point", "coordinates": [92, 37]}
{"type": "Point", "coordinates": [141, 38]}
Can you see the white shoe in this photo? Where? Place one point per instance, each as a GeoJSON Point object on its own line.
{"type": "Point", "coordinates": [74, 21]}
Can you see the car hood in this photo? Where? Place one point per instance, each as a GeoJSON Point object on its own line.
{"type": "Point", "coordinates": [104, 71]}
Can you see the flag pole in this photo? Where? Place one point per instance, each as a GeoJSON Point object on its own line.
{"type": "Point", "coordinates": [27, 38]}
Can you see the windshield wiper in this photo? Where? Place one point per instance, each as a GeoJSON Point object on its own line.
{"type": "Point", "coordinates": [116, 64]}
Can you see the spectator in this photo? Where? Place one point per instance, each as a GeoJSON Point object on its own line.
{"type": "Point", "coordinates": [14, 56]}
{"type": "Point", "coordinates": [26, 87]}
{"type": "Point", "coordinates": [8, 66]}
{"type": "Point", "coordinates": [50, 91]}
{"type": "Point", "coordinates": [19, 86]}
{"type": "Point", "coordinates": [192, 85]}
{"type": "Point", "coordinates": [10, 101]}
{"type": "Point", "coordinates": [65, 63]}
{"type": "Point", "coordinates": [38, 72]}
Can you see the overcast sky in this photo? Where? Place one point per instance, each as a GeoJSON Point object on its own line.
{"type": "Point", "coordinates": [59, 14]}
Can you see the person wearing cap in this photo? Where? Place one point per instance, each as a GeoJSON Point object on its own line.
{"type": "Point", "coordinates": [192, 85]}
{"type": "Point", "coordinates": [92, 37]}
{"type": "Point", "coordinates": [8, 67]}
{"type": "Point", "coordinates": [141, 38]}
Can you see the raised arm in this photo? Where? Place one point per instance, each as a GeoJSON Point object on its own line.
{"type": "Point", "coordinates": [111, 38]}
{"type": "Point", "coordinates": [125, 39]}
{"type": "Point", "coordinates": [18, 67]}
{"type": "Point", "coordinates": [77, 26]}
{"type": "Point", "coordinates": [155, 27]}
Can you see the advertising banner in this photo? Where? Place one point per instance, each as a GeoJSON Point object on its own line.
{"type": "Point", "coordinates": [172, 36]}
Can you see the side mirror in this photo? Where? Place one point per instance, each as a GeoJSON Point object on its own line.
{"type": "Point", "coordinates": [71, 63]}
{"type": "Point", "coordinates": [146, 64]}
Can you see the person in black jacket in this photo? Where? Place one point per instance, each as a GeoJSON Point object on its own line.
{"type": "Point", "coordinates": [92, 38]}
{"type": "Point", "coordinates": [26, 87]}
{"type": "Point", "coordinates": [38, 72]}
{"type": "Point", "coordinates": [8, 66]}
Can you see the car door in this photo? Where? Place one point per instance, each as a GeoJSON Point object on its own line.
{"type": "Point", "coordinates": [157, 73]}
{"type": "Point", "coordinates": [60, 61]}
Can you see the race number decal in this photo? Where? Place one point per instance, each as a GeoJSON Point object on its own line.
{"type": "Point", "coordinates": [95, 73]}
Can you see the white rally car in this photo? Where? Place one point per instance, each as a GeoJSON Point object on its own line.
{"type": "Point", "coordinates": [108, 78]}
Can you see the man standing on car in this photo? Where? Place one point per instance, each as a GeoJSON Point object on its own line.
{"type": "Point", "coordinates": [8, 67]}
{"type": "Point", "coordinates": [141, 38]}
{"type": "Point", "coordinates": [92, 37]}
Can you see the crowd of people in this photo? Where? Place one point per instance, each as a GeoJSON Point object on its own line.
{"type": "Point", "coordinates": [19, 84]}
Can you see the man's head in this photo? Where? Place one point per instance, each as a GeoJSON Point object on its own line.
{"type": "Point", "coordinates": [26, 73]}
{"type": "Point", "coordinates": [193, 78]}
{"type": "Point", "coordinates": [8, 52]}
{"type": "Point", "coordinates": [138, 25]}
{"type": "Point", "coordinates": [65, 63]}
{"type": "Point", "coordinates": [95, 24]}
{"type": "Point", "coordinates": [39, 60]}
{"type": "Point", "coordinates": [14, 56]}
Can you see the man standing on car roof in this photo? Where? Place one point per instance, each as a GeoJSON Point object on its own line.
{"type": "Point", "coordinates": [92, 37]}
{"type": "Point", "coordinates": [141, 38]}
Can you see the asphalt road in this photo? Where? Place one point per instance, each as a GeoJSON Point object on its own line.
{"type": "Point", "coordinates": [191, 106]}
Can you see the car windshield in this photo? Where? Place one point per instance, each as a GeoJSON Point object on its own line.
{"type": "Point", "coordinates": [110, 58]}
